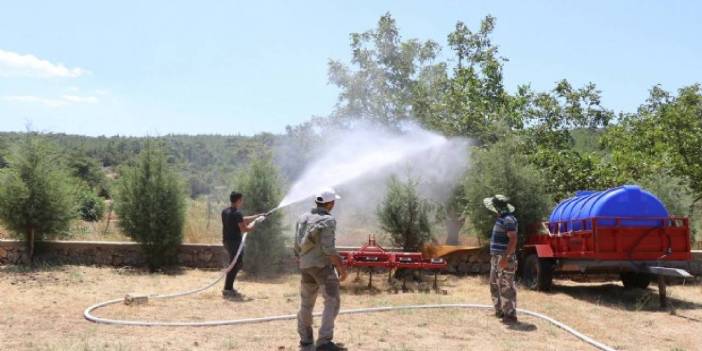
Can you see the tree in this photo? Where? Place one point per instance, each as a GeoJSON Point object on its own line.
{"type": "Point", "coordinates": [86, 169]}
{"type": "Point", "coordinates": [552, 117]}
{"type": "Point", "coordinates": [36, 196]}
{"type": "Point", "coordinates": [150, 203]}
{"type": "Point", "coordinates": [404, 215]}
{"type": "Point", "coordinates": [3, 154]}
{"type": "Point", "coordinates": [452, 213]}
{"type": "Point", "coordinates": [501, 168]}
{"type": "Point", "coordinates": [471, 101]}
{"type": "Point", "coordinates": [265, 247]}
{"type": "Point", "coordinates": [383, 86]}
{"type": "Point", "coordinates": [90, 206]}
{"type": "Point", "coordinates": [665, 135]}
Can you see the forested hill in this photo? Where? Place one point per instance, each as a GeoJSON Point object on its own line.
{"type": "Point", "coordinates": [206, 161]}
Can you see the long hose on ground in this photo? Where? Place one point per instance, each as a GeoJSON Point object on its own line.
{"type": "Point", "coordinates": [88, 313]}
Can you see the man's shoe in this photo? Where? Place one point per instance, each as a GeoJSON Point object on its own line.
{"type": "Point", "coordinates": [232, 294]}
{"type": "Point", "coordinates": [330, 346]}
{"type": "Point", "coordinates": [510, 320]}
{"type": "Point", "coordinates": [305, 345]}
{"type": "Point", "coordinates": [499, 314]}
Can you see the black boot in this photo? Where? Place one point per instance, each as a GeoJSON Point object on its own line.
{"type": "Point", "coordinates": [330, 346]}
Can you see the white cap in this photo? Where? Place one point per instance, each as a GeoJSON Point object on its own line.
{"type": "Point", "coordinates": [326, 195]}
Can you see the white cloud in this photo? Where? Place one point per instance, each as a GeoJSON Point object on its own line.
{"type": "Point", "coordinates": [27, 65]}
{"type": "Point", "coordinates": [52, 102]}
{"type": "Point", "coordinates": [80, 99]}
{"type": "Point", "coordinates": [36, 99]}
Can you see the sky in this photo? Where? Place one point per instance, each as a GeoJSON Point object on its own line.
{"type": "Point", "coordinates": [235, 67]}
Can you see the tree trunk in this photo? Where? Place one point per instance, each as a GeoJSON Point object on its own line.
{"type": "Point", "coordinates": [690, 212]}
{"type": "Point", "coordinates": [30, 246]}
{"type": "Point", "coordinates": [453, 227]}
{"type": "Point", "coordinates": [691, 209]}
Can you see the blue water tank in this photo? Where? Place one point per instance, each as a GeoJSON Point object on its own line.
{"type": "Point", "coordinates": [635, 205]}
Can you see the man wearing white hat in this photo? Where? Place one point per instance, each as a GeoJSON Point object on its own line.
{"type": "Point", "coordinates": [315, 250]}
{"type": "Point", "coordinates": [503, 261]}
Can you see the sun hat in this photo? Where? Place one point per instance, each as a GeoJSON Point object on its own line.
{"type": "Point", "coordinates": [498, 204]}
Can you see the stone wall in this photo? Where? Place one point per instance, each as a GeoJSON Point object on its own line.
{"type": "Point", "coordinates": [109, 253]}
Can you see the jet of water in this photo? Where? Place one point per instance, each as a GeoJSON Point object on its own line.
{"type": "Point", "coordinates": [360, 151]}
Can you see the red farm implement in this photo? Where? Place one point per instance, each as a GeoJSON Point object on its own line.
{"type": "Point", "coordinates": [372, 257]}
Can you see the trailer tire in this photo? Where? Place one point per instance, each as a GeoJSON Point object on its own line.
{"type": "Point", "coordinates": [632, 280]}
{"type": "Point", "coordinates": [537, 273]}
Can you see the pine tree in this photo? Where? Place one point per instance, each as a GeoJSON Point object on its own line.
{"type": "Point", "coordinates": [265, 247]}
{"type": "Point", "coordinates": [36, 197]}
{"type": "Point", "coordinates": [150, 203]}
{"type": "Point", "coordinates": [405, 215]}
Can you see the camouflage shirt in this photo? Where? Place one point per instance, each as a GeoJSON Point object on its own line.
{"type": "Point", "coordinates": [315, 238]}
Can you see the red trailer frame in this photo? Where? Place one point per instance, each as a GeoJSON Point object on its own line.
{"type": "Point", "coordinates": [613, 238]}
{"type": "Point", "coordinates": [638, 248]}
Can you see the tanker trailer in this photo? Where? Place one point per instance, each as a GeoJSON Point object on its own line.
{"type": "Point", "coordinates": [624, 230]}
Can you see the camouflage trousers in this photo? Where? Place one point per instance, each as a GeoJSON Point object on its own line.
{"type": "Point", "coordinates": [312, 279]}
{"type": "Point", "coordinates": [502, 288]}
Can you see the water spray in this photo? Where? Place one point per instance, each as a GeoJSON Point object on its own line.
{"type": "Point", "coordinates": [271, 211]}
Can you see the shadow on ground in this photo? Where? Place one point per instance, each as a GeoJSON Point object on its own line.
{"type": "Point", "coordinates": [523, 327]}
{"type": "Point", "coordinates": [615, 296]}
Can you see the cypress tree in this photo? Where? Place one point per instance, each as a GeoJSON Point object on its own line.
{"type": "Point", "coordinates": [36, 196]}
{"type": "Point", "coordinates": [265, 247]}
{"type": "Point", "coordinates": [150, 204]}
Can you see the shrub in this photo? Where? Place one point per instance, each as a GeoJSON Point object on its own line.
{"type": "Point", "coordinates": [265, 248]}
{"type": "Point", "coordinates": [150, 203]}
{"type": "Point", "coordinates": [404, 215]}
{"type": "Point", "coordinates": [91, 207]}
{"type": "Point", "coordinates": [502, 169]}
{"type": "Point", "coordinates": [198, 186]}
{"type": "Point", "coordinates": [36, 196]}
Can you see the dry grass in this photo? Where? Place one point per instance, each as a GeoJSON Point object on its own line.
{"type": "Point", "coordinates": [42, 310]}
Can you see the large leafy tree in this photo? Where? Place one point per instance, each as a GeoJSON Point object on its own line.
{"type": "Point", "coordinates": [382, 84]}
{"type": "Point", "coordinates": [150, 203]}
{"type": "Point", "coordinates": [550, 118]}
{"type": "Point", "coordinates": [37, 197]}
{"type": "Point", "coordinates": [663, 137]}
{"type": "Point", "coordinates": [265, 247]}
{"type": "Point", "coordinates": [471, 101]}
{"type": "Point", "coordinates": [502, 168]}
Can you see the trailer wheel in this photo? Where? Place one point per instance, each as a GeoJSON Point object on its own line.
{"type": "Point", "coordinates": [538, 273]}
{"type": "Point", "coordinates": [633, 280]}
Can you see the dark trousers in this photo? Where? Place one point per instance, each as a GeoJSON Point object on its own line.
{"type": "Point", "coordinates": [232, 247]}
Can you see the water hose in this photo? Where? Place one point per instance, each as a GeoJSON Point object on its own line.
{"type": "Point", "coordinates": [88, 313]}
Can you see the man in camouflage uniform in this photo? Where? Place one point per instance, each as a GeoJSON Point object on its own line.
{"type": "Point", "coordinates": [503, 259]}
{"type": "Point", "coordinates": [317, 258]}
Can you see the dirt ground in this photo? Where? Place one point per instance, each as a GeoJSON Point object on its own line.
{"type": "Point", "coordinates": [42, 310]}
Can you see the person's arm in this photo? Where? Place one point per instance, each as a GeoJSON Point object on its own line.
{"type": "Point", "coordinates": [247, 224]}
{"type": "Point", "coordinates": [336, 261]}
{"type": "Point", "coordinates": [327, 237]}
{"type": "Point", "coordinates": [511, 227]}
{"type": "Point", "coordinates": [296, 245]}
{"type": "Point", "coordinates": [249, 219]}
